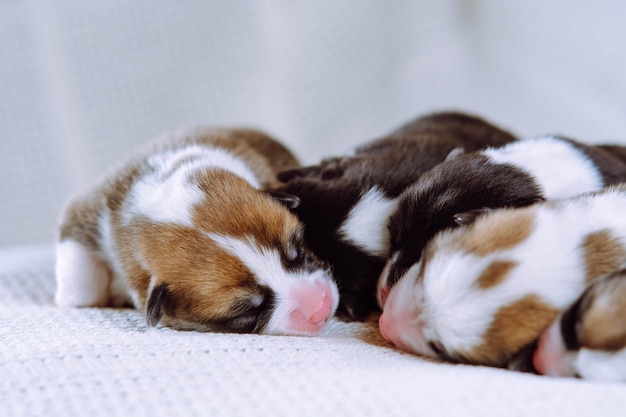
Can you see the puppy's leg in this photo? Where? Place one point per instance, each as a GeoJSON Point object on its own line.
{"type": "Point", "coordinates": [83, 280]}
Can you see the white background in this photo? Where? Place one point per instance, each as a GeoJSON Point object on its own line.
{"type": "Point", "coordinates": [83, 83]}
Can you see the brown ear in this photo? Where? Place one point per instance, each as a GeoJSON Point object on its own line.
{"type": "Point", "coordinates": [288, 200]}
{"type": "Point", "coordinates": [469, 217]}
{"type": "Point", "coordinates": [155, 307]}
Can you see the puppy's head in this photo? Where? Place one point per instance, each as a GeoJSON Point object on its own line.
{"type": "Point", "coordinates": [240, 265]}
{"type": "Point", "coordinates": [441, 199]}
{"type": "Point", "coordinates": [468, 300]}
{"type": "Point", "coordinates": [589, 338]}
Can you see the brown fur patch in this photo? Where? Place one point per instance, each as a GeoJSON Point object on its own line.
{"type": "Point", "coordinates": [233, 208]}
{"type": "Point", "coordinates": [603, 322]}
{"type": "Point", "coordinates": [513, 327]}
{"type": "Point", "coordinates": [494, 274]}
{"type": "Point", "coordinates": [201, 287]}
{"type": "Point", "coordinates": [263, 155]}
{"type": "Point", "coordinates": [499, 230]}
{"type": "Point", "coordinates": [603, 254]}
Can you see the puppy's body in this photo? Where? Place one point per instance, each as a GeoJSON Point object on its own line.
{"type": "Point", "coordinates": [515, 175]}
{"type": "Point", "coordinates": [589, 338]}
{"type": "Point", "coordinates": [346, 201]}
{"type": "Point", "coordinates": [483, 292]}
{"type": "Point", "coordinates": [185, 233]}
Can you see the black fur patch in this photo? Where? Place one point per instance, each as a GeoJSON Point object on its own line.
{"type": "Point", "coordinates": [466, 183]}
{"type": "Point", "coordinates": [245, 317]}
{"type": "Point", "coordinates": [330, 189]}
{"type": "Point", "coordinates": [569, 319]}
{"type": "Point", "coordinates": [155, 307]}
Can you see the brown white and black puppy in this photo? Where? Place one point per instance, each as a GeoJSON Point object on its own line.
{"type": "Point", "coordinates": [588, 340]}
{"type": "Point", "coordinates": [346, 201]}
{"type": "Point", "coordinates": [515, 175]}
{"type": "Point", "coordinates": [186, 233]}
{"type": "Point", "coordinates": [483, 292]}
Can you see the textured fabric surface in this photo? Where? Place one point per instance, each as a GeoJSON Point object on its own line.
{"type": "Point", "coordinates": [106, 362]}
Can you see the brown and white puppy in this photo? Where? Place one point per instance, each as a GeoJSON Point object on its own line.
{"type": "Point", "coordinates": [346, 201]}
{"type": "Point", "coordinates": [186, 233]}
{"type": "Point", "coordinates": [588, 339]}
{"type": "Point", "coordinates": [483, 292]}
{"type": "Point", "coordinates": [515, 175]}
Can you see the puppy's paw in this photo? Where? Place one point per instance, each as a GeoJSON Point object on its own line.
{"type": "Point", "coordinates": [83, 280]}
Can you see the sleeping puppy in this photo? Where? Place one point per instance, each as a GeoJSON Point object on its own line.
{"type": "Point", "coordinates": [484, 291]}
{"type": "Point", "coordinates": [516, 175]}
{"type": "Point", "coordinates": [346, 201]}
{"type": "Point", "coordinates": [589, 339]}
{"type": "Point", "coordinates": [185, 233]}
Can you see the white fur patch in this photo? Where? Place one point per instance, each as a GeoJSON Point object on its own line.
{"type": "Point", "coordinates": [602, 366]}
{"type": "Point", "coordinates": [82, 279]}
{"type": "Point", "coordinates": [266, 265]}
{"type": "Point", "coordinates": [559, 168]}
{"type": "Point", "coordinates": [366, 224]}
{"type": "Point", "coordinates": [167, 195]}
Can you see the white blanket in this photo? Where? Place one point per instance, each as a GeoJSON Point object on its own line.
{"type": "Point", "coordinates": [106, 362]}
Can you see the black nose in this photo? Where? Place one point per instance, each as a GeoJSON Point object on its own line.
{"type": "Point", "coordinates": [523, 360]}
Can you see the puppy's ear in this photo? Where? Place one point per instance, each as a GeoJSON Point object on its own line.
{"type": "Point", "coordinates": [290, 174]}
{"type": "Point", "coordinates": [454, 153]}
{"type": "Point", "coordinates": [155, 307]}
{"type": "Point", "coordinates": [288, 200]}
{"type": "Point", "coordinates": [469, 217]}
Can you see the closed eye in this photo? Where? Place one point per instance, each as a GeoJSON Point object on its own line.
{"type": "Point", "coordinates": [438, 348]}
{"type": "Point", "coordinates": [293, 254]}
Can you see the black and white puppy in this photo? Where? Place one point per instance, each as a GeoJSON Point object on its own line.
{"type": "Point", "coordinates": [346, 201]}
{"type": "Point", "coordinates": [516, 175]}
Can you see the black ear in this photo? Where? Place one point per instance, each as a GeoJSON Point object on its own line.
{"type": "Point", "coordinates": [289, 200]}
{"type": "Point", "coordinates": [155, 307]}
{"type": "Point", "coordinates": [469, 217]}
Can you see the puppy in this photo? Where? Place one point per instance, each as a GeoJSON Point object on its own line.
{"type": "Point", "coordinates": [346, 201]}
{"type": "Point", "coordinates": [484, 291]}
{"type": "Point", "coordinates": [185, 233]}
{"type": "Point", "coordinates": [515, 175]}
{"type": "Point", "coordinates": [588, 339]}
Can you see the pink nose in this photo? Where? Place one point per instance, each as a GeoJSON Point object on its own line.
{"type": "Point", "coordinates": [392, 332]}
{"type": "Point", "coordinates": [550, 357]}
{"type": "Point", "coordinates": [314, 307]}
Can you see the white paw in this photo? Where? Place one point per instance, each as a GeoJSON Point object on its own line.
{"type": "Point", "coordinates": [83, 280]}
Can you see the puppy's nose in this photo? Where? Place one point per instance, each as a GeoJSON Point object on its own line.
{"type": "Point", "coordinates": [314, 306]}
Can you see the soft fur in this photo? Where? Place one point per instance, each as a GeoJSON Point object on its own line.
{"type": "Point", "coordinates": [515, 175]}
{"type": "Point", "coordinates": [483, 292]}
{"type": "Point", "coordinates": [185, 232]}
{"type": "Point", "coordinates": [589, 338]}
{"type": "Point", "coordinates": [346, 201]}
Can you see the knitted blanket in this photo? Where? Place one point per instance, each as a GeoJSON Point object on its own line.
{"type": "Point", "coordinates": [107, 362]}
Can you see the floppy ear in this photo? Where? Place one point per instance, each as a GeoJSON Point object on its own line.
{"type": "Point", "coordinates": [288, 200]}
{"type": "Point", "coordinates": [155, 307]}
{"type": "Point", "coordinates": [468, 217]}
